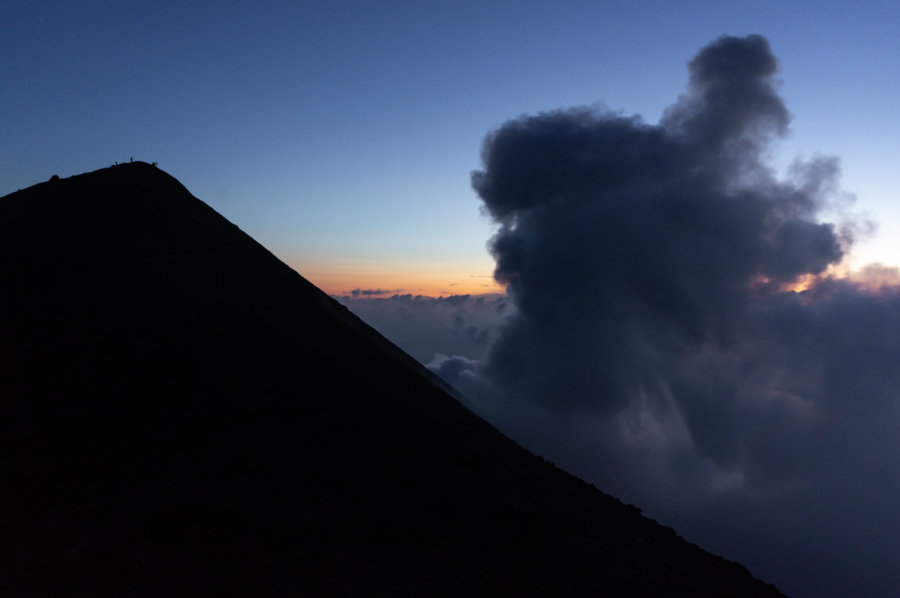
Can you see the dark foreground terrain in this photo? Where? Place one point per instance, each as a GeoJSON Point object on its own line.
{"type": "Point", "coordinates": [181, 414]}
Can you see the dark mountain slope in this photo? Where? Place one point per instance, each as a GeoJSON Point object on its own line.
{"type": "Point", "coordinates": [183, 414]}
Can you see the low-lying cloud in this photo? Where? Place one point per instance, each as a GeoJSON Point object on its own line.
{"type": "Point", "coordinates": [430, 328]}
{"type": "Point", "coordinates": [676, 337]}
{"type": "Point", "coordinates": [373, 292]}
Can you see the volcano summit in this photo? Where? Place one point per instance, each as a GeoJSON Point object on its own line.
{"type": "Point", "coordinates": [183, 414]}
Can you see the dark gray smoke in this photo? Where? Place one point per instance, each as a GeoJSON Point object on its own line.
{"type": "Point", "coordinates": [660, 346]}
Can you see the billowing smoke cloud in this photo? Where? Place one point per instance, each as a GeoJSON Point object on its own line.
{"type": "Point", "coordinates": [677, 338]}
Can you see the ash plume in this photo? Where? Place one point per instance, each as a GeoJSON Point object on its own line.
{"type": "Point", "coordinates": [676, 337]}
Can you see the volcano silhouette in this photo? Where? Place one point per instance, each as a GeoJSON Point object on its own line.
{"type": "Point", "coordinates": [185, 415]}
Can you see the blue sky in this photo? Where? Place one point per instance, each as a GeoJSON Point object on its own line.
{"type": "Point", "coordinates": [341, 135]}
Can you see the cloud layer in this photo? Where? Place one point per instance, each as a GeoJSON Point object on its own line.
{"type": "Point", "coordinates": [661, 345]}
{"type": "Point", "coordinates": [426, 326]}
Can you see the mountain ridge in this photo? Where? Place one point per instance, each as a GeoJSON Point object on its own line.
{"type": "Point", "coordinates": [187, 415]}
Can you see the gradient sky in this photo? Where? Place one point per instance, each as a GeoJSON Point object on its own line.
{"type": "Point", "coordinates": [341, 135]}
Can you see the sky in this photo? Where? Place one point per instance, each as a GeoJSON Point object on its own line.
{"type": "Point", "coordinates": [670, 319]}
{"type": "Point", "coordinates": [342, 135]}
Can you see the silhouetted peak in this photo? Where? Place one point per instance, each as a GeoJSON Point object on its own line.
{"type": "Point", "coordinates": [183, 414]}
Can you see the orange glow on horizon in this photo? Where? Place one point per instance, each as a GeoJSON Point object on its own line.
{"type": "Point", "coordinates": [443, 279]}
{"type": "Point", "coordinates": [416, 279]}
